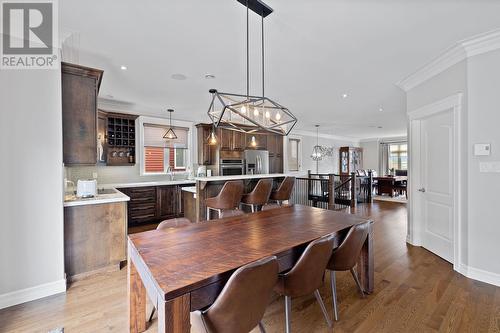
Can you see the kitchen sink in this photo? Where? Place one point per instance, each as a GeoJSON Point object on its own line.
{"type": "Point", "coordinates": [106, 191]}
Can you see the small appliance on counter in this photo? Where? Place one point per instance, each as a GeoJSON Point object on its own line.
{"type": "Point", "coordinates": [202, 171]}
{"type": "Point", "coordinates": [86, 188]}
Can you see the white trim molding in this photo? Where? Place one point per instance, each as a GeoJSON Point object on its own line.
{"type": "Point", "coordinates": [32, 293]}
{"type": "Point", "coordinates": [326, 136]}
{"type": "Point", "coordinates": [479, 274]}
{"type": "Point", "coordinates": [462, 50]}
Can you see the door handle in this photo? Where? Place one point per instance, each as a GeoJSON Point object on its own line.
{"type": "Point", "coordinates": [421, 190]}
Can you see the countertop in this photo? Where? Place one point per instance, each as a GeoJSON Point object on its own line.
{"type": "Point", "coordinates": [239, 177]}
{"type": "Point", "coordinates": [70, 200]}
{"type": "Point", "coordinates": [190, 189]}
{"type": "Point", "coordinates": [141, 184]}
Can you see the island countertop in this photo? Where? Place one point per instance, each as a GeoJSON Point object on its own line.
{"type": "Point", "coordinates": [111, 196]}
{"type": "Point", "coordinates": [239, 177]}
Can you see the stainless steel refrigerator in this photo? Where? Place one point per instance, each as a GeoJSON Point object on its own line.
{"type": "Point", "coordinates": [256, 162]}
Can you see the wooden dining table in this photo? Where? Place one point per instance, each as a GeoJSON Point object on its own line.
{"type": "Point", "coordinates": [183, 270]}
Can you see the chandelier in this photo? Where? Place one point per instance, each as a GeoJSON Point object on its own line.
{"type": "Point", "coordinates": [318, 151]}
{"type": "Point", "coordinates": [247, 113]}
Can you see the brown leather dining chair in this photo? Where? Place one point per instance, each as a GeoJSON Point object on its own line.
{"type": "Point", "coordinates": [345, 257]}
{"type": "Point", "coordinates": [259, 195]}
{"type": "Point", "coordinates": [173, 224]}
{"type": "Point", "coordinates": [306, 277]}
{"type": "Point", "coordinates": [228, 198]}
{"type": "Point", "coordinates": [240, 306]}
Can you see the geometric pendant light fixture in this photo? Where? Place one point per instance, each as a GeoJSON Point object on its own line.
{"type": "Point", "coordinates": [244, 112]}
{"type": "Point", "coordinates": [170, 135]}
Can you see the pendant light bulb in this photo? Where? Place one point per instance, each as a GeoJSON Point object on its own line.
{"type": "Point", "coordinates": [256, 112]}
{"type": "Point", "coordinates": [212, 139]}
{"type": "Point", "coordinates": [278, 116]}
{"type": "Point", "coordinates": [268, 115]}
{"type": "Point", "coordinates": [253, 142]}
{"type": "Point", "coordinates": [243, 109]}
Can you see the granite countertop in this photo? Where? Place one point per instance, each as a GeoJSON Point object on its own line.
{"type": "Point", "coordinates": [110, 196]}
{"type": "Point", "coordinates": [238, 177]}
{"type": "Point", "coordinates": [190, 189]}
{"type": "Point", "coordinates": [152, 183]}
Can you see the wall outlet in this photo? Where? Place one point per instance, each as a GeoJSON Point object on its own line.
{"type": "Point", "coordinates": [94, 175]}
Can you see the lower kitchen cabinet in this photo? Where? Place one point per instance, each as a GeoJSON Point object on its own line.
{"type": "Point", "coordinates": [94, 238]}
{"type": "Point", "coordinates": [168, 200]}
{"type": "Point", "coordinates": [153, 204]}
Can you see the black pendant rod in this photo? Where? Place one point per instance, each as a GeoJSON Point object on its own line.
{"type": "Point", "coordinates": [248, 57]}
{"type": "Point", "coordinates": [263, 77]}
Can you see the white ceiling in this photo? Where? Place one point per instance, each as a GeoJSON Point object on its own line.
{"type": "Point", "coordinates": [315, 51]}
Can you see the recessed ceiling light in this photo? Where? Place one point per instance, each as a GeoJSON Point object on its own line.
{"type": "Point", "coordinates": [123, 68]}
{"type": "Point", "coordinates": [179, 76]}
{"type": "Point", "coordinates": [379, 127]}
{"type": "Point", "coordinates": [209, 76]}
{"type": "Point", "coordinates": [344, 95]}
{"type": "Point", "coordinates": [380, 108]}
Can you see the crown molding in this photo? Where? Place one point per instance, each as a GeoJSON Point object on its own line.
{"type": "Point", "coordinates": [385, 138]}
{"type": "Point", "coordinates": [462, 50]}
{"type": "Point", "coordinates": [325, 136]}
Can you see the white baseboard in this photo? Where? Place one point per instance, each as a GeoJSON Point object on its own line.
{"type": "Point", "coordinates": [33, 293]}
{"type": "Point", "coordinates": [479, 275]}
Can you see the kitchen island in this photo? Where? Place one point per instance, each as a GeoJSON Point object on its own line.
{"type": "Point", "coordinates": [207, 187]}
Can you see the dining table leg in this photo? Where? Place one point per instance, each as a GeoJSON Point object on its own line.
{"type": "Point", "coordinates": [173, 315]}
{"type": "Point", "coordinates": [137, 300]}
{"type": "Point", "coordinates": [366, 270]}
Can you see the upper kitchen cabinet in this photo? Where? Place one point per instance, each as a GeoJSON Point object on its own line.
{"type": "Point", "coordinates": [80, 87]}
{"type": "Point", "coordinates": [206, 152]}
{"type": "Point", "coordinates": [260, 141]}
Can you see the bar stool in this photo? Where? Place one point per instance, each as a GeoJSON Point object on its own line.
{"type": "Point", "coordinates": [306, 277]}
{"type": "Point", "coordinates": [281, 194]}
{"type": "Point", "coordinates": [228, 198]}
{"type": "Point", "coordinates": [259, 195]}
{"type": "Point", "coordinates": [345, 256]}
{"type": "Point", "coordinates": [241, 304]}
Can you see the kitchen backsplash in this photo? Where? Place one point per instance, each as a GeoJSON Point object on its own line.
{"type": "Point", "coordinates": [114, 174]}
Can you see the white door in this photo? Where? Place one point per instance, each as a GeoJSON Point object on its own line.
{"type": "Point", "coordinates": [435, 199]}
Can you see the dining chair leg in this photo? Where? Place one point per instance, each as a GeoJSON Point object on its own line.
{"type": "Point", "coordinates": [323, 308]}
{"type": "Point", "coordinates": [220, 212]}
{"type": "Point", "coordinates": [261, 327]}
{"type": "Point", "coordinates": [253, 208]}
{"type": "Point", "coordinates": [334, 294]}
{"type": "Point", "coordinates": [353, 272]}
{"type": "Point", "coordinates": [208, 213]}
{"type": "Point", "coordinates": [288, 314]}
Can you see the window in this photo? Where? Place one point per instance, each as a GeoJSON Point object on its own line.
{"type": "Point", "coordinates": [293, 154]}
{"type": "Point", "coordinates": [398, 156]}
{"type": "Point", "coordinates": [161, 155]}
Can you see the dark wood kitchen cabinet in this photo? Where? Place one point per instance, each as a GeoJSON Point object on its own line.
{"type": "Point", "coordinates": [207, 154]}
{"type": "Point", "coordinates": [168, 200]}
{"type": "Point", "coordinates": [80, 88]}
{"type": "Point", "coordinates": [153, 204]}
{"type": "Point", "coordinates": [275, 148]}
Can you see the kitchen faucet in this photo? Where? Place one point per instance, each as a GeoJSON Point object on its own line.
{"type": "Point", "coordinates": [170, 171]}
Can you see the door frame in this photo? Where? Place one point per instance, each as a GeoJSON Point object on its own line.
{"type": "Point", "coordinates": [415, 227]}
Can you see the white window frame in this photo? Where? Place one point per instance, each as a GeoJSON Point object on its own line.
{"type": "Point", "coordinates": [299, 153]}
{"type": "Point", "coordinates": [175, 159]}
{"type": "Point", "coordinates": [140, 121]}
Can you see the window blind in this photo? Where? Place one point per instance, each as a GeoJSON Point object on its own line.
{"type": "Point", "coordinates": [153, 137]}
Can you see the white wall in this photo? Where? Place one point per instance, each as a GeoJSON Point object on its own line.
{"type": "Point", "coordinates": [371, 155]}
{"type": "Point", "coordinates": [308, 141]}
{"type": "Point", "coordinates": [478, 79]}
{"type": "Point", "coordinates": [483, 72]}
{"type": "Point", "coordinates": [31, 203]}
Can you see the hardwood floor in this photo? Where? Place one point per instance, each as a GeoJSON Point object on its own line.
{"type": "Point", "coordinates": [415, 291]}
